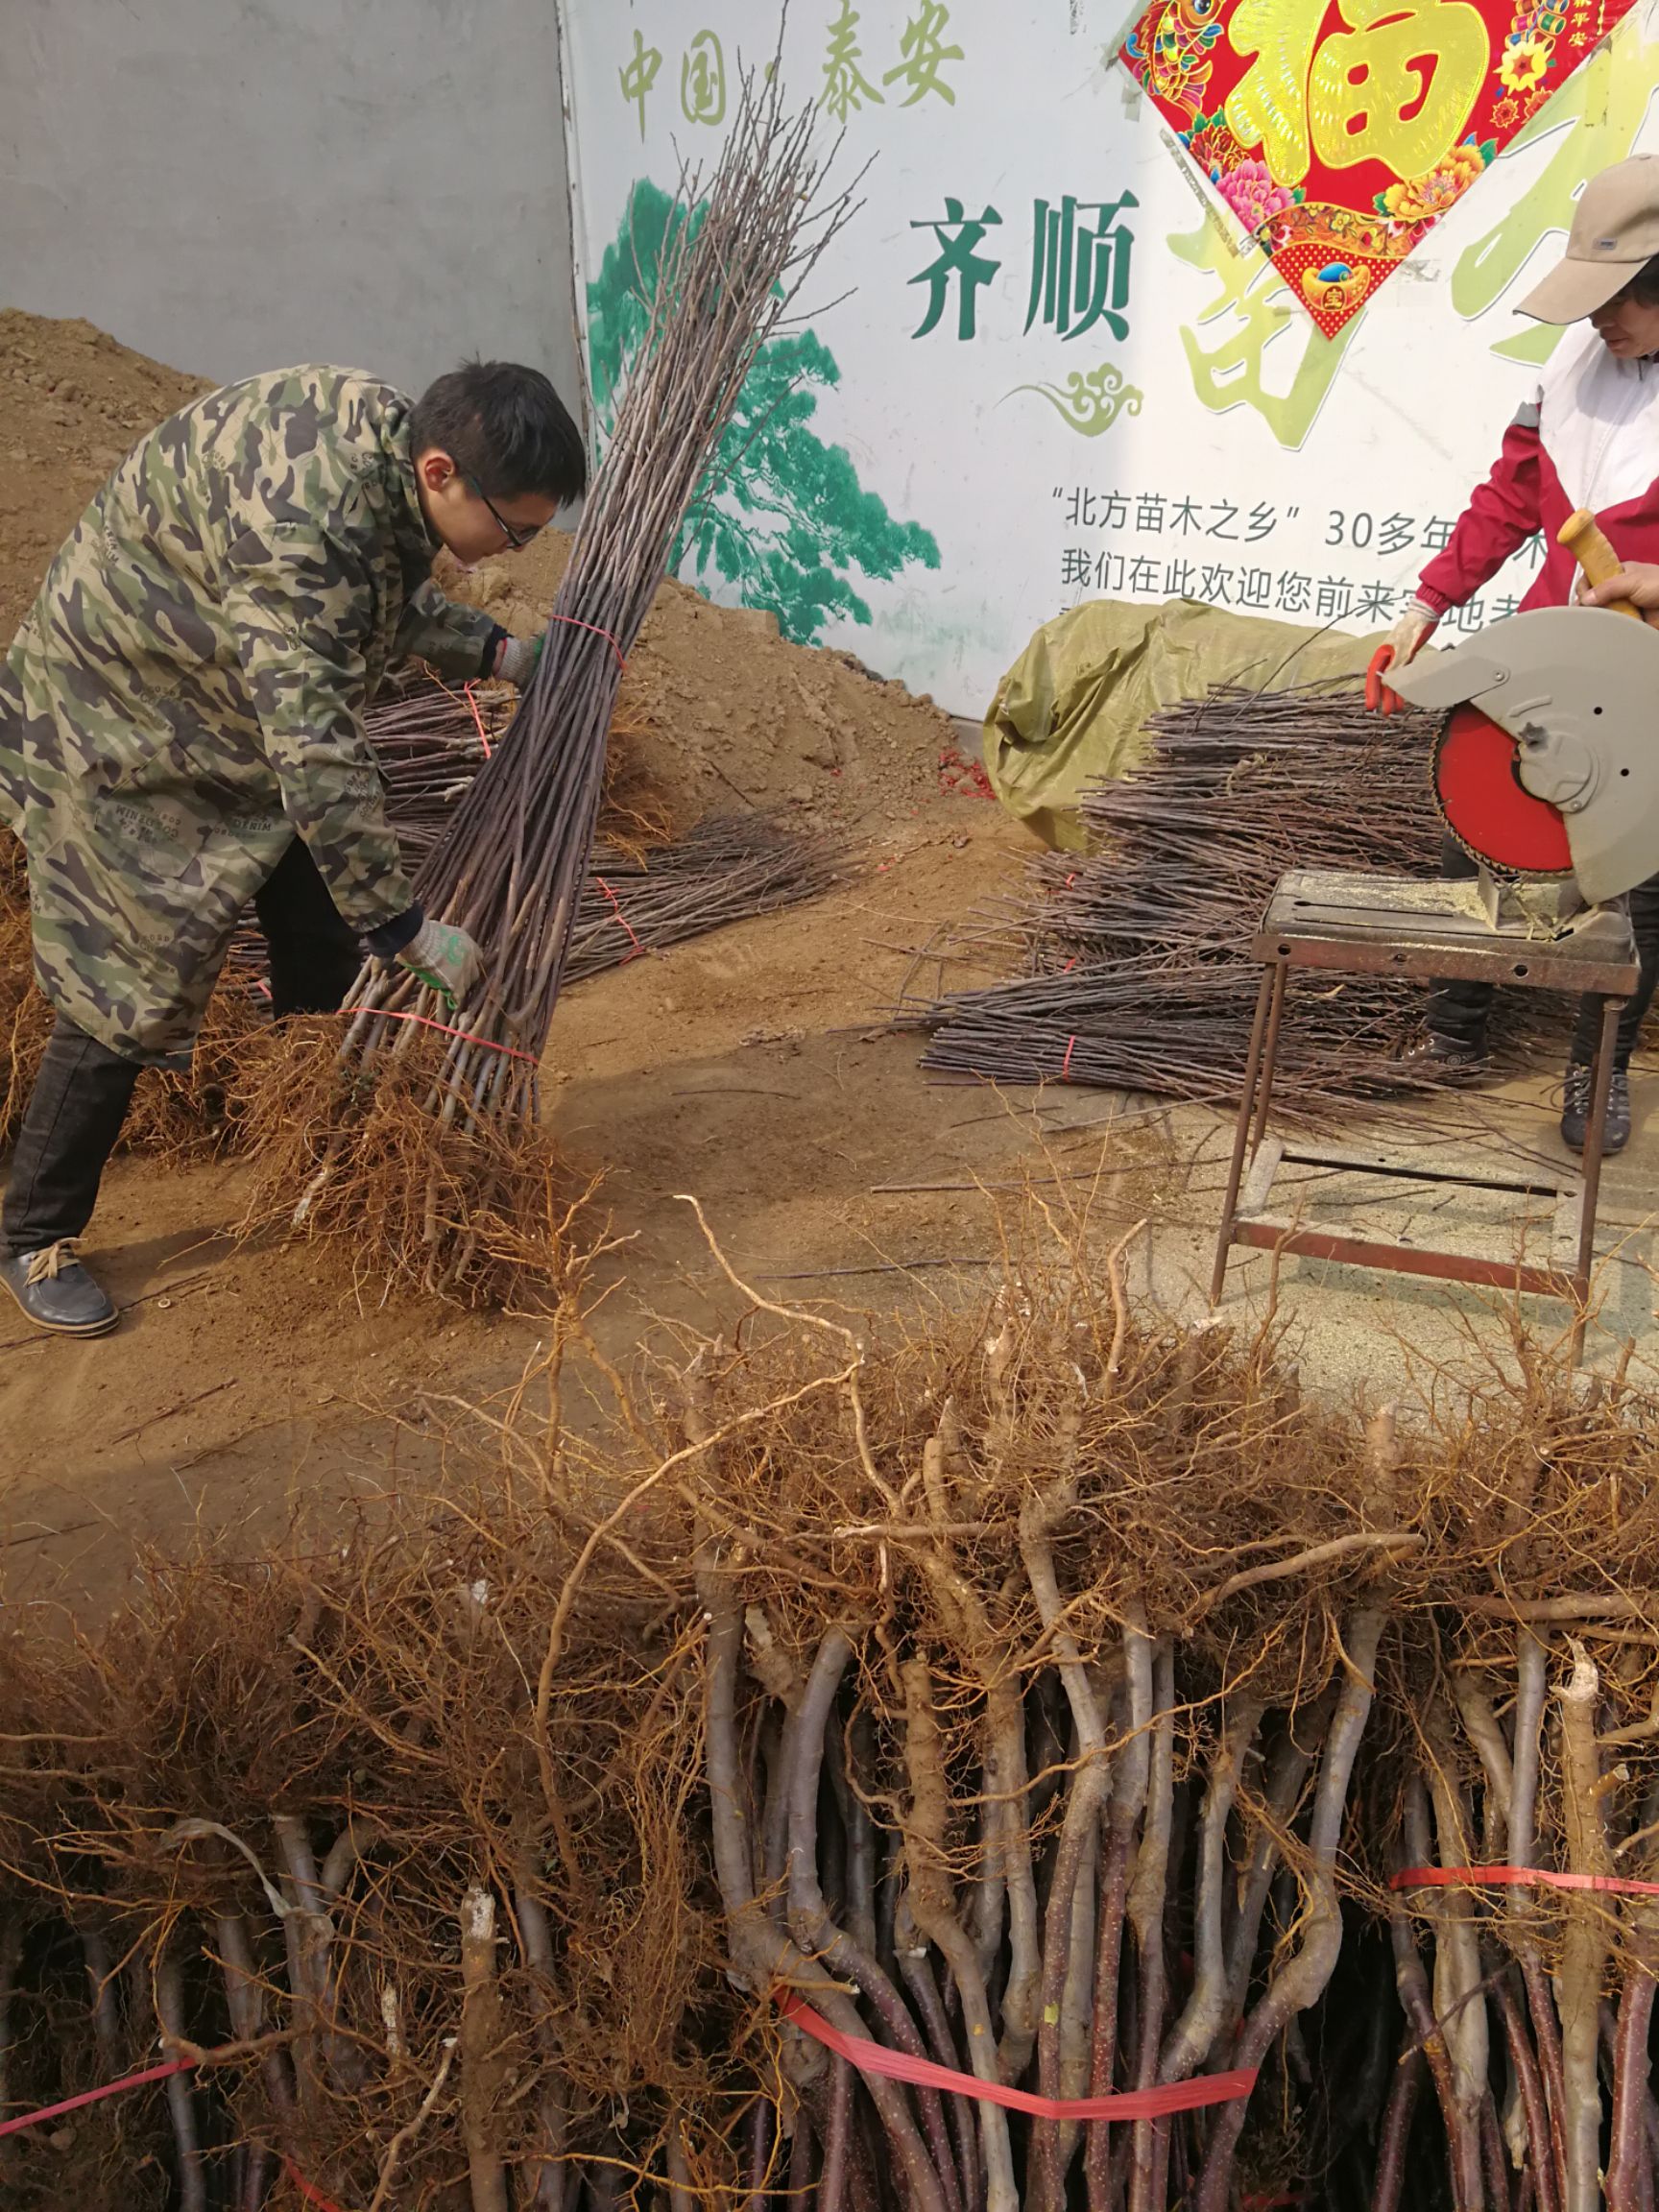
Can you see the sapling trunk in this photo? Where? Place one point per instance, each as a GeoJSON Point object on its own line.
{"type": "Point", "coordinates": [1531, 1691]}
{"type": "Point", "coordinates": [1630, 2169]}
{"type": "Point", "coordinates": [1148, 1892]}
{"type": "Point", "coordinates": [1303, 1981]}
{"type": "Point", "coordinates": [926, 1839]}
{"type": "Point", "coordinates": [760, 1954]}
{"type": "Point", "coordinates": [1459, 2004]}
{"type": "Point", "coordinates": [1200, 2023]}
{"type": "Point", "coordinates": [1389, 2179]}
{"type": "Point", "coordinates": [170, 2016]}
{"type": "Point", "coordinates": [808, 1915]}
{"type": "Point", "coordinates": [1411, 1980]}
{"type": "Point", "coordinates": [553, 2115]}
{"type": "Point", "coordinates": [105, 2010]}
{"type": "Point", "coordinates": [1066, 1984]}
{"type": "Point", "coordinates": [481, 2076]}
{"type": "Point", "coordinates": [1584, 1946]}
{"type": "Point", "coordinates": [1530, 2088]}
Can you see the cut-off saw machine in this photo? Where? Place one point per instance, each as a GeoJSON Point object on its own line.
{"type": "Point", "coordinates": [1546, 773]}
{"type": "Point", "coordinates": [1546, 769]}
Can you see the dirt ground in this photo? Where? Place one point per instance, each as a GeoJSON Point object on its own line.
{"type": "Point", "coordinates": [71, 403]}
{"type": "Point", "coordinates": [751, 1067]}
{"type": "Point", "coordinates": [719, 713]}
{"type": "Point", "coordinates": [748, 1067]}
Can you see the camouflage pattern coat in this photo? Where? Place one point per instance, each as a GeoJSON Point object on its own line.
{"type": "Point", "coordinates": [187, 691]}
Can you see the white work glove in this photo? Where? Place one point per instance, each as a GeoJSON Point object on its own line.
{"type": "Point", "coordinates": [445, 959]}
{"type": "Point", "coordinates": [1411, 629]}
{"type": "Point", "coordinates": [518, 659]}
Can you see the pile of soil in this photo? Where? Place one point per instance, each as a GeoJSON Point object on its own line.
{"type": "Point", "coordinates": [72, 404]}
{"type": "Point", "coordinates": [718, 706]}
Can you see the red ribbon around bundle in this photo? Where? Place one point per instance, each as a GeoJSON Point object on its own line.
{"type": "Point", "coordinates": [1517, 1878]}
{"type": "Point", "coordinates": [1124, 2104]}
{"type": "Point", "coordinates": [311, 2195]}
{"type": "Point", "coordinates": [616, 909]}
{"type": "Point", "coordinates": [425, 1022]}
{"type": "Point", "coordinates": [95, 2096]}
{"type": "Point", "coordinates": [143, 2081]}
{"type": "Point", "coordinates": [478, 719]}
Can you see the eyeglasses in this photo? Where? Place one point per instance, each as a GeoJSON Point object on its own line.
{"type": "Point", "coordinates": [515, 538]}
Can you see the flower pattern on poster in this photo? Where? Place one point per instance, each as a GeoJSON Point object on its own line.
{"type": "Point", "coordinates": [1340, 131]}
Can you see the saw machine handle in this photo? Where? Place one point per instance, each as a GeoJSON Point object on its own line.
{"type": "Point", "coordinates": [1584, 538]}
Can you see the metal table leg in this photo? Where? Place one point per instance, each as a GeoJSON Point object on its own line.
{"type": "Point", "coordinates": [1595, 1136]}
{"type": "Point", "coordinates": [1271, 1052]}
{"type": "Point", "coordinates": [1270, 995]}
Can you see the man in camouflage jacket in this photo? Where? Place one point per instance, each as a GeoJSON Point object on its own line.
{"type": "Point", "coordinates": [181, 731]}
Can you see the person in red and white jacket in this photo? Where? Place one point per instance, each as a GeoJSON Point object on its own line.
{"type": "Point", "coordinates": [1587, 437]}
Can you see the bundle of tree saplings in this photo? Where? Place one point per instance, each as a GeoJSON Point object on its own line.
{"type": "Point", "coordinates": [813, 1788]}
{"type": "Point", "coordinates": [727, 868]}
{"type": "Point", "coordinates": [1131, 966]}
{"type": "Point", "coordinates": [643, 892]}
{"type": "Point", "coordinates": [410, 1072]}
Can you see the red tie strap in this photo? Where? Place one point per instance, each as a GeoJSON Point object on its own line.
{"type": "Point", "coordinates": [901, 2066]}
{"type": "Point", "coordinates": [1517, 1878]}
{"type": "Point", "coordinates": [96, 2096]}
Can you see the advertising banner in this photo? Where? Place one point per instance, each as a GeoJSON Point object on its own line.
{"type": "Point", "coordinates": [1052, 357]}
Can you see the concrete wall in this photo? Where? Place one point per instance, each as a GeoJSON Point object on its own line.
{"type": "Point", "coordinates": [230, 185]}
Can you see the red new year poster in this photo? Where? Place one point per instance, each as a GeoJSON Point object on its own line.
{"type": "Point", "coordinates": [1339, 131]}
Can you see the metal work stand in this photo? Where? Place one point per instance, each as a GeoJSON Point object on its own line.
{"type": "Point", "coordinates": [1354, 924]}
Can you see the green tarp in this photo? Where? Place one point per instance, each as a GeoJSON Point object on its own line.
{"type": "Point", "coordinates": [1072, 708]}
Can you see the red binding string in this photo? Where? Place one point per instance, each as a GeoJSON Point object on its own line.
{"type": "Point", "coordinates": [96, 2096]}
{"type": "Point", "coordinates": [311, 2195]}
{"type": "Point", "coordinates": [425, 1021]}
{"type": "Point", "coordinates": [466, 693]}
{"type": "Point", "coordinates": [616, 909]}
{"type": "Point", "coordinates": [1517, 1878]}
{"type": "Point", "coordinates": [1125, 2104]}
{"type": "Point", "coordinates": [574, 624]}
{"type": "Point", "coordinates": [1066, 1064]}
{"type": "Point", "coordinates": [143, 2081]}
{"type": "Point", "coordinates": [478, 719]}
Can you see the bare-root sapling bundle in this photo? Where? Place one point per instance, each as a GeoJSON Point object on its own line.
{"type": "Point", "coordinates": [1046, 1697]}
{"type": "Point", "coordinates": [1132, 966]}
{"type": "Point", "coordinates": [511, 870]}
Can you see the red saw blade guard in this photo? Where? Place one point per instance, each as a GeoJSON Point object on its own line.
{"type": "Point", "coordinates": [1487, 807]}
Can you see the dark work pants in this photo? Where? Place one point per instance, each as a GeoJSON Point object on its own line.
{"type": "Point", "coordinates": [1459, 1011]}
{"type": "Point", "coordinates": [314, 954]}
{"type": "Point", "coordinates": [83, 1091]}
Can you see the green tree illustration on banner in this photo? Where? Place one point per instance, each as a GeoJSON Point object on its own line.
{"type": "Point", "coordinates": [780, 515]}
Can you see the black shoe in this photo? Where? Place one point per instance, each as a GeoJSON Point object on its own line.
{"type": "Point", "coordinates": [1434, 1053]}
{"type": "Point", "coordinates": [1576, 1109]}
{"type": "Point", "coordinates": [56, 1293]}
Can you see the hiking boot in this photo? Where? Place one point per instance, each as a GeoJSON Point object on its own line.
{"type": "Point", "coordinates": [1576, 1107]}
{"type": "Point", "coordinates": [1434, 1053]}
{"type": "Point", "coordinates": [56, 1293]}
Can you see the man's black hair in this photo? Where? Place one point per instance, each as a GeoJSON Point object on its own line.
{"type": "Point", "coordinates": [504, 426]}
{"type": "Point", "coordinates": [1644, 284]}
